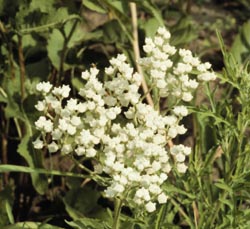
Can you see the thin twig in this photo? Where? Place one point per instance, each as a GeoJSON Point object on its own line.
{"type": "Point", "coordinates": [22, 66]}
{"type": "Point", "coordinates": [196, 214]}
{"type": "Point", "coordinates": [182, 212]}
{"type": "Point", "coordinates": [136, 49]}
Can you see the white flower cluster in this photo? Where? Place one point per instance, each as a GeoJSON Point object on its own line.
{"type": "Point", "coordinates": [112, 124]}
{"type": "Point", "coordinates": [173, 78]}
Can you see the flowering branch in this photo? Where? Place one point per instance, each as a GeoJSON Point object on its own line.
{"type": "Point", "coordinates": [111, 123]}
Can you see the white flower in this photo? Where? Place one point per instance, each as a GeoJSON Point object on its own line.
{"type": "Point", "coordinates": [62, 91]}
{"type": "Point", "coordinates": [53, 147]}
{"type": "Point", "coordinates": [80, 150]}
{"type": "Point", "coordinates": [162, 31]}
{"type": "Point", "coordinates": [41, 105]}
{"type": "Point", "coordinates": [44, 87]}
{"type": "Point", "coordinates": [76, 121]}
{"type": "Point", "coordinates": [180, 157]}
{"type": "Point", "coordinates": [143, 193]}
{"type": "Point", "coordinates": [38, 144]}
{"type": "Point", "coordinates": [85, 75]}
{"type": "Point", "coordinates": [72, 104]}
{"type": "Point", "coordinates": [44, 124]}
{"type": "Point", "coordinates": [180, 111]}
{"type": "Point", "coordinates": [66, 149]}
{"type": "Point", "coordinates": [56, 134]}
{"type": "Point", "coordinates": [187, 96]}
{"type": "Point", "coordinates": [150, 207]}
{"type": "Point", "coordinates": [181, 129]}
{"type": "Point", "coordinates": [207, 76]}
{"type": "Point", "coordinates": [172, 132]}
{"type": "Point", "coordinates": [110, 70]}
{"type": "Point", "coordinates": [167, 48]}
{"type": "Point", "coordinates": [91, 152]}
{"type": "Point", "coordinates": [155, 189]}
{"type": "Point", "coordinates": [81, 107]}
{"type": "Point", "coordinates": [162, 198]}
{"type": "Point", "coordinates": [158, 41]}
{"type": "Point", "coordinates": [118, 188]}
{"type": "Point", "coordinates": [71, 130]}
{"type": "Point", "coordinates": [181, 167]}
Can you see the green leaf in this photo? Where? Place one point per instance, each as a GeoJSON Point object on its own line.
{"type": "Point", "coordinates": [241, 45]}
{"type": "Point", "coordinates": [80, 201]}
{"type": "Point", "coordinates": [6, 202]}
{"type": "Point", "coordinates": [227, 202]}
{"type": "Point", "coordinates": [77, 83]}
{"type": "Point", "coordinates": [222, 185]}
{"type": "Point", "coordinates": [54, 47]}
{"type": "Point", "coordinates": [183, 32]}
{"type": "Point", "coordinates": [34, 160]}
{"type": "Point", "coordinates": [31, 225]}
{"type": "Point", "coordinates": [172, 189]}
{"type": "Point", "coordinates": [24, 169]}
{"type": "Point", "coordinates": [150, 27]}
{"type": "Point", "coordinates": [94, 5]}
{"type": "Point", "coordinates": [42, 6]}
{"type": "Point", "coordinates": [3, 96]}
{"type": "Point", "coordinates": [151, 8]}
{"type": "Point", "coordinates": [12, 89]}
{"type": "Point", "coordinates": [88, 223]}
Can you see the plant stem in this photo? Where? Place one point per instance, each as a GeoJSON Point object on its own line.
{"type": "Point", "coordinates": [64, 50]}
{"type": "Point", "coordinates": [22, 67]}
{"type": "Point", "coordinates": [160, 216]}
{"type": "Point", "coordinates": [182, 213]}
{"type": "Point", "coordinates": [118, 207]}
{"type": "Point", "coordinates": [136, 49]}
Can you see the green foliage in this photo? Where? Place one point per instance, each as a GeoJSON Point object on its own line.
{"type": "Point", "coordinates": [241, 46]}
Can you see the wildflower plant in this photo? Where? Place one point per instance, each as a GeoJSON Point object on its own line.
{"type": "Point", "coordinates": [111, 124]}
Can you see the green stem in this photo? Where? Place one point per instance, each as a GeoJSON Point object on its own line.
{"type": "Point", "coordinates": [160, 216]}
{"type": "Point", "coordinates": [182, 213]}
{"type": "Point", "coordinates": [118, 207]}
{"type": "Point", "coordinates": [64, 50]}
{"type": "Point", "coordinates": [210, 221]}
{"type": "Point", "coordinates": [48, 26]}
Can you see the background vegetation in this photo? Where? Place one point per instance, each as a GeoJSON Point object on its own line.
{"type": "Point", "coordinates": [55, 40]}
